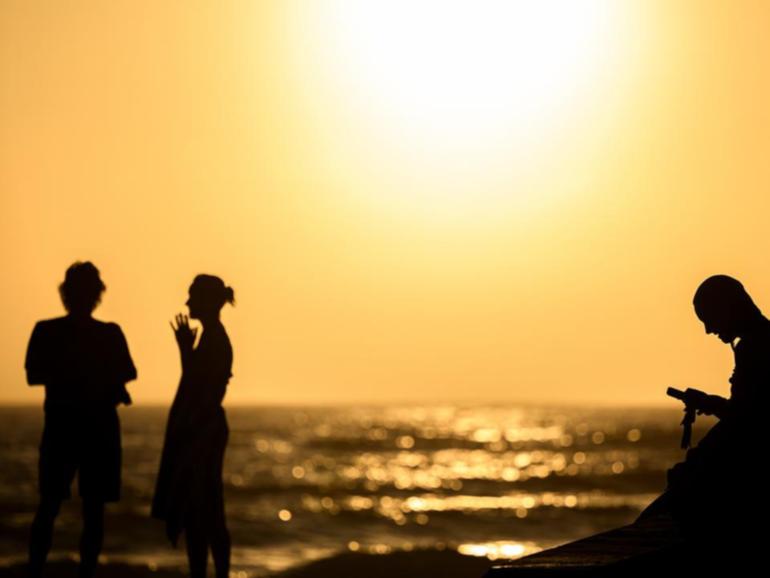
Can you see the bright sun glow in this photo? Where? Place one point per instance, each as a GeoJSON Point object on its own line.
{"type": "Point", "coordinates": [470, 68]}
{"type": "Point", "coordinates": [461, 95]}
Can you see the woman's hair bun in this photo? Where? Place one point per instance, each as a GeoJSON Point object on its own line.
{"type": "Point", "coordinates": [229, 295]}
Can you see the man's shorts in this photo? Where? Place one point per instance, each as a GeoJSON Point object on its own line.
{"type": "Point", "coordinates": [86, 441]}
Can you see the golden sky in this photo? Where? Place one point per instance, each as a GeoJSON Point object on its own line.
{"type": "Point", "coordinates": [420, 202]}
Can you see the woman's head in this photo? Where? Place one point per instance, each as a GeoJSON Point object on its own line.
{"type": "Point", "coordinates": [725, 308]}
{"type": "Point", "coordinates": [208, 294]}
{"type": "Point", "coordinates": [82, 288]}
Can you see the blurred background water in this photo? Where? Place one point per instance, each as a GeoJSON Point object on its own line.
{"type": "Point", "coordinates": [307, 483]}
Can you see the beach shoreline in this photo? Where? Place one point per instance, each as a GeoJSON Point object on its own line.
{"type": "Point", "coordinates": [417, 563]}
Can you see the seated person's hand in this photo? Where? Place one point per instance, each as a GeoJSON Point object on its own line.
{"type": "Point", "coordinates": [711, 405]}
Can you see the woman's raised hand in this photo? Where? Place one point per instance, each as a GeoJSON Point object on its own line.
{"type": "Point", "coordinates": [185, 335]}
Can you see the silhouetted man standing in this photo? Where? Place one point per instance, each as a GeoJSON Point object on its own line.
{"type": "Point", "coordinates": [84, 365]}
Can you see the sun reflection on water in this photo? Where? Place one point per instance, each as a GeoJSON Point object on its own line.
{"type": "Point", "coordinates": [499, 550]}
{"type": "Point", "coordinates": [395, 507]}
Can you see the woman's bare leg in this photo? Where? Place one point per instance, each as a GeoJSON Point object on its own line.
{"type": "Point", "coordinates": [197, 546]}
{"type": "Point", "coordinates": [220, 545]}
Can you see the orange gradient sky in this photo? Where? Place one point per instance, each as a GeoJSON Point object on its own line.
{"type": "Point", "coordinates": [415, 202]}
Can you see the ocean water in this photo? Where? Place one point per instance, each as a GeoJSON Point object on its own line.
{"type": "Point", "coordinates": [307, 483]}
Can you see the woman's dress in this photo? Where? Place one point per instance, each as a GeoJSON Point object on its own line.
{"type": "Point", "coordinates": [189, 481]}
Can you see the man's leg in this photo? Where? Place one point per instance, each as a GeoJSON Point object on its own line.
{"type": "Point", "coordinates": [98, 481]}
{"type": "Point", "coordinates": [56, 469]}
{"type": "Point", "coordinates": [92, 537]}
{"type": "Point", "coordinates": [41, 534]}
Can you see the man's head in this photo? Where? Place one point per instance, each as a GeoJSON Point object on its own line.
{"type": "Point", "coordinates": [82, 288]}
{"type": "Point", "coordinates": [724, 307]}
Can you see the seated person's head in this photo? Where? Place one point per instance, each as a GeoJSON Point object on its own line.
{"type": "Point", "coordinates": [82, 288]}
{"type": "Point", "coordinates": [725, 308]}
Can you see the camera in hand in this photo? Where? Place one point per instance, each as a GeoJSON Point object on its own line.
{"type": "Point", "coordinates": [694, 401]}
{"type": "Point", "coordinates": [692, 398]}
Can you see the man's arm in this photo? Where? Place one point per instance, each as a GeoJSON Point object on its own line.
{"type": "Point", "coordinates": [124, 364]}
{"type": "Point", "coordinates": [36, 362]}
{"type": "Point", "coordinates": [125, 370]}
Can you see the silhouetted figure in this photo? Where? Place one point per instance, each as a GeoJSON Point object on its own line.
{"type": "Point", "coordinates": [84, 365]}
{"type": "Point", "coordinates": [189, 491]}
{"type": "Point", "coordinates": [717, 493]}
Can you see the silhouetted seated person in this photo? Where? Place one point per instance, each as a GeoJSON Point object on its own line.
{"type": "Point", "coordinates": [714, 493]}
{"type": "Point", "coordinates": [84, 365]}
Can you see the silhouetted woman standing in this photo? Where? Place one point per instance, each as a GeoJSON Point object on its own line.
{"type": "Point", "coordinates": [189, 489]}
